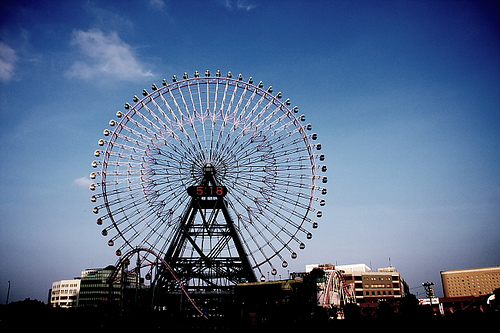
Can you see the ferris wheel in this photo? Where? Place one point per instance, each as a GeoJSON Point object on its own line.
{"type": "Point", "coordinates": [205, 140]}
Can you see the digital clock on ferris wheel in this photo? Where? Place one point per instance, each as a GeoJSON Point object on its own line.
{"type": "Point", "coordinates": [207, 191]}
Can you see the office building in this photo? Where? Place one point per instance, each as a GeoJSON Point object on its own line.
{"type": "Point", "coordinates": [88, 290]}
{"type": "Point", "coordinates": [470, 282]}
{"type": "Point", "coordinates": [65, 293]}
{"type": "Point", "coordinates": [386, 284]}
{"type": "Point", "coordinates": [95, 288]}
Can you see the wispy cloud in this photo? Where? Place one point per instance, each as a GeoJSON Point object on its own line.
{"type": "Point", "coordinates": [82, 182]}
{"type": "Point", "coordinates": [105, 55]}
{"type": "Point", "coordinates": [238, 5]}
{"type": "Point", "coordinates": [8, 59]}
{"type": "Point", "coordinates": [159, 4]}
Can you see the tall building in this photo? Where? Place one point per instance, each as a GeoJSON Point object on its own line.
{"type": "Point", "coordinates": [470, 282]}
{"type": "Point", "coordinates": [94, 287]}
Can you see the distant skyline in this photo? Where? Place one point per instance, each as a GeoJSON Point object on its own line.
{"type": "Point", "coordinates": [404, 96]}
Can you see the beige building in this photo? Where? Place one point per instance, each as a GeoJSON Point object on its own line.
{"type": "Point", "coordinates": [470, 282]}
{"type": "Point", "coordinates": [385, 284]}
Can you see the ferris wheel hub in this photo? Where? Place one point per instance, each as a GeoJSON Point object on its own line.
{"type": "Point", "coordinates": [209, 168]}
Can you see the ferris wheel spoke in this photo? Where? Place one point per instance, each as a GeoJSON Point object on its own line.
{"type": "Point", "coordinates": [158, 107]}
{"type": "Point", "coordinates": [155, 118]}
{"type": "Point", "coordinates": [186, 106]}
{"type": "Point", "coordinates": [192, 119]}
{"type": "Point", "coordinates": [269, 242]}
{"type": "Point", "coordinates": [272, 215]}
{"type": "Point", "coordinates": [157, 233]}
{"type": "Point", "coordinates": [266, 122]}
{"type": "Point", "coordinates": [149, 125]}
{"type": "Point", "coordinates": [141, 225]}
{"type": "Point", "coordinates": [199, 99]}
{"type": "Point", "coordinates": [167, 96]}
{"type": "Point", "coordinates": [246, 224]}
{"type": "Point", "coordinates": [142, 134]}
{"type": "Point", "coordinates": [254, 213]}
{"type": "Point", "coordinates": [156, 136]}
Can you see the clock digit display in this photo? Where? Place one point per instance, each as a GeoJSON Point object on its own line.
{"type": "Point", "coordinates": [207, 191]}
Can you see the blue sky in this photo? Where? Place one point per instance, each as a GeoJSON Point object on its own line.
{"type": "Point", "coordinates": [404, 95]}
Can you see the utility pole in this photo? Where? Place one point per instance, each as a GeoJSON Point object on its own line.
{"type": "Point", "coordinates": [429, 290]}
{"type": "Point", "coordinates": [8, 294]}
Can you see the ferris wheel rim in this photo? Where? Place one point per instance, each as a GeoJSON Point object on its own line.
{"type": "Point", "coordinates": [208, 80]}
